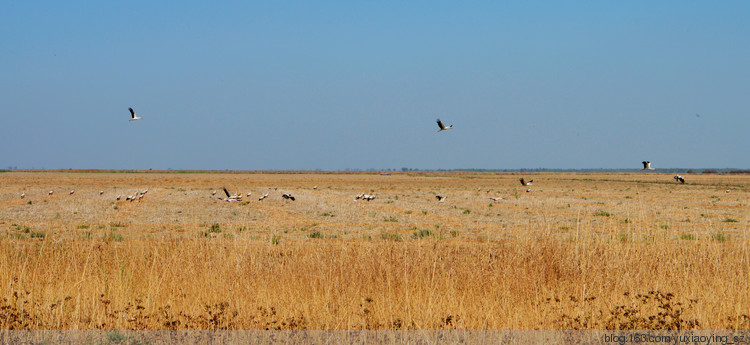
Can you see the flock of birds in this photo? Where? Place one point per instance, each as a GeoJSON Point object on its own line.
{"type": "Point", "coordinates": [138, 195]}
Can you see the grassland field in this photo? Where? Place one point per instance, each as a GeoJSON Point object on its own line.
{"type": "Point", "coordinates": [577, 251]}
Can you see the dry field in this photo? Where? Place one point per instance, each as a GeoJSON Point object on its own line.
{"type": "Point", "coordinates": [580, 251]}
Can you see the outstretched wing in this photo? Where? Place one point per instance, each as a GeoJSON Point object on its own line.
{"type": "Point", "coordinates": [440, 124]}
{"type": "Point", "coordinates": [132, 113]}
{"type": "Point", "coordinates": [523, 183]}
{"type": "Point", "coordinates": [227, 193]}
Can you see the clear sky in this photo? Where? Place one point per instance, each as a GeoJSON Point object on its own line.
{"type": "Point", "coordinates": [334, 85]}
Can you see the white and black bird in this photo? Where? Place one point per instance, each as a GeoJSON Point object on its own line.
{"type": "Point", "coordinates": [249, 193]}
{"type": "Point", "coordinates": [232, 196]}
{"type": "Point", "coordinates": [213, 193]}
{"type": "Point", "coordinates": [440, 198]}
{"type": "Point", "coordinates": [523, 182]}
{"type": "Point", "coordinates": [118, 197]}
{"type": "Point", "coordinates": [23, 195]}
{"type": "Point", "coordinates": [133, 116]}
{"type": "Point", "coordinates": [647, 165]}
{"type": "Point", "coordinates": [101, 192]}
{"type": "Point", "coordinates": [263, 197]}
{"type": "Point", "coordinates": [288, 196]}
{"type": "Point", "coordinates": [368, 197]}
{"type": "Point", "coordinates": [679, 178]}
{"type": "Point", "coordinates": [72, 191]}
{"type": "Point", "coordinates": [51, 192]}
{"type": "Point", "coordinates": [442, 126]}
{"type": "Point", "coordinates": [496, 199]}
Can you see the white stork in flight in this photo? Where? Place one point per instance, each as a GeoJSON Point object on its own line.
{"type": "Point", "coordinates": [647, 165]}
{"type": "Point", "coordinates": [442, 126]}
{"type": "Point", "coordinates": [133, 116]}
{"type": "Point", "coordinates": [237, 197]}
{"type": "Point", "coordinates": [440, 198]}
{"type": "Point", "coordinates": [679, 178]}
{"type": "Point", "coordinates": [523, 182]}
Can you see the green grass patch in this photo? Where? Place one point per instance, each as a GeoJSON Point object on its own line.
{"type": "Point", "coordinates": [686, 236]}
{"type": "Point", "coordinates": [718, 237]}
{"type": "Point", "coordinates": [113, 237]}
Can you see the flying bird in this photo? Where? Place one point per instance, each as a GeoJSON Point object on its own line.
{"type": "Point", "coordinates": [523, 182]}
{"type": "Point", "coordinates": [679, 178]}
{"type": "Point", "coordinates": [442, 126]}
{"type": "Point", "coordinates": [133, 116]}
{"type": "Point", "coordinates": [441, 198]}
{"type": "Point", "coordinates": [288, 196]}
{"type": "Point", "coordinates": [647, 165]}
{"type": "Point", "coordinates": [232, 196]}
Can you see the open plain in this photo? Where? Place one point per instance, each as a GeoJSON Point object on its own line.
{"type": "Point", "coordinates": [577, 251]}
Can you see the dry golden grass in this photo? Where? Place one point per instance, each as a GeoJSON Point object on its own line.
{"type": "Point", "coordinates": [580, 251]}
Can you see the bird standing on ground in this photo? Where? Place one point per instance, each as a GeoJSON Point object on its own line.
{"type": "Point", "coordinates": [496, 199]}
{"type": "Point", "coordinates": [263, 197]}
{"type": "Point", "coordinates": [23, 195]}
{"type": "Point", "coordinates": [133, 116]}
{"type": "Point", "coordinates": [442, 126]}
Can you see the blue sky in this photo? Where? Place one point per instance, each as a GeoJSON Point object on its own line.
{"type": "Point", "coordinates": [336, 85]}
